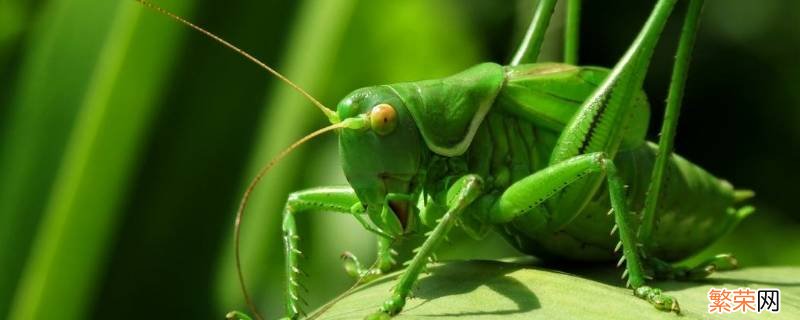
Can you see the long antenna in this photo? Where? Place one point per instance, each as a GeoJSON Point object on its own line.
{"type": "Point", "coordinates": [332, 116]}
{"type": "Point", "coordinates": [246, 197]}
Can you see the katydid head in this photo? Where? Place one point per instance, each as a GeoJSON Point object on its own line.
{"type": "Point", "coordinates": [382, 160]}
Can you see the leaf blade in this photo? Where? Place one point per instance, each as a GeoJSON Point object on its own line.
{"type": "Point", "coordinates": [488, 290]}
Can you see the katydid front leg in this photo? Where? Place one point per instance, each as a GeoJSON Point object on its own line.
{"type": "Point", "coordinates": [335, 199]}
{"type": "Point", "coordinates": [460, 195]}
{"type": "Point", "coordinates": [330, 199]}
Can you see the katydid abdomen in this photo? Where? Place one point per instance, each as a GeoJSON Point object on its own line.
{"type": "Point", "coordinates": [696, 209]}
{"type": "Point", "coordinates": [517, 138]}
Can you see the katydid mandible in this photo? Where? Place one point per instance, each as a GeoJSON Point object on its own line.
{"type": "Point", "coordinates": [551, 155]}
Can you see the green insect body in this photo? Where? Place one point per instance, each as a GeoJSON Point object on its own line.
{"type": "Point", "coordinates": [551, 155]}
{"type": "Point", "coordinates": [513, 139]}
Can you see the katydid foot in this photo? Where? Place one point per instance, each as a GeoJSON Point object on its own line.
{"type": "Point", "coordinates": [384, 263]}
{"type": "Point", "coordinates": [393, 305]}
{"type": "Point", "coordinates": [237, 315]}
{"type": "Point", "coordinates": [390, 307]}
{"type": "Point", "coordinates": [460, 195]}
{"type": "Point", "coordinates": [666, 271]}
{"type": "Point", "coordinates": [659, 300]}
{"type": "Point", "coordinates": [355, 269]}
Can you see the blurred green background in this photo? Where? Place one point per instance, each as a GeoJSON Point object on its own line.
{"type": "Point", "coordinates": [126, 140]}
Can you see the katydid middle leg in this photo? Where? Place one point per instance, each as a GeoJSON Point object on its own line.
{"type": "Point", "coordinates": [460, 195]}
{"type": "Point", "coordinates": [667, 271]}
{"type": "Point", "coordinates": [531, 44]}
{"type": "Point", "coordinates": [680, 70]}
{"type": "Point", "coordinates": [675, 95]}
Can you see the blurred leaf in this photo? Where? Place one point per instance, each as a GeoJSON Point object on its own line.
{"type": "Point", "coordinates": [80, 212]}
{"type": "Point", "coordinates": [180, 208]}
{"type": "Point", "coordinates": [16, 19]}
{"type": "Point", "coordinates": [315, 37]}
{"type": "Point", "coordinates": [12, 17]}
{"type": "Point", "coordinates": [54, 75]}
{"type": "Point", "coordinates": [490, 290]}
{"type": "Point", "coordinates": [764, 229]}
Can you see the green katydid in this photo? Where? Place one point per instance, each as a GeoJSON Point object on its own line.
{"type": "Point", "coordinates": [551, 155]}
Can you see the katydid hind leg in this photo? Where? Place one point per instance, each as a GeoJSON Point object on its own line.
{"type": "Point", "coordinates": [526, 196]}
{"type": "Point", "coordinates": [572, 32]}
{"type": "Point", "coordinates": [523, 197]}
{"type": "Point", "coordinates": [663, 270]}
{"type": "Point", "coordinates": [463, 193]}
{"type": "Point", "coordinates": [237, 315]}
{"type": "Point", "coordinates": [531, 44]}
{"type": "Point", "coordinates": [667, 136]}
{"type": "Point", "coordinates": [601, 123]}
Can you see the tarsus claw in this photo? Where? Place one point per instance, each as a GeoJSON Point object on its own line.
{"type": "Point", "coordinates": [657, 299]}
{"type": "Point", "coordinates": [237, 315]}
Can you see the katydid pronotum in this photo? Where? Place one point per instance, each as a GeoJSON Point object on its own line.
{"type": "Point", "coordinates": [551, 155]}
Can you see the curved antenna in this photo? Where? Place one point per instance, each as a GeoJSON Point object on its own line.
{"type": "Point", "coordinates": [246, 196]}
{"type": "Point", "coordinates": [332, 116]}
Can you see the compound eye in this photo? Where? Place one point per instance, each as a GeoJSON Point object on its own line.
{"type": "Point", "coordinates": [383, 118]}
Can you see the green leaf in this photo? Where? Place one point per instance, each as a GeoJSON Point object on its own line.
{"type": "Point", "coordinates": [111, 93]}
{"type": "Point", "coordinates": [490, 290]}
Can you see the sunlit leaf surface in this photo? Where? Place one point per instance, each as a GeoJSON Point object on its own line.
{"type": "Point", "coordinates": [493, 290]}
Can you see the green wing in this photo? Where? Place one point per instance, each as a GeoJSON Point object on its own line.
{"type": "Point", "coordinates": [549, 94]}
{"type": "Point", "coordinates": [449, 111]}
